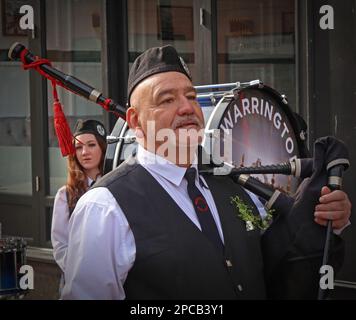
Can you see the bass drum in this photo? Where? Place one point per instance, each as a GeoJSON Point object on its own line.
{"type": "Point", "coordinates": [262, 129]}
{"type": "Point", "coordinates": [258, 120]}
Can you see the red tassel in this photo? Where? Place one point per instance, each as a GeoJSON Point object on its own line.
{"type": "Point", "coordinates": [63, 132]}
{"type": "Point", "coordinates": [64, 135]}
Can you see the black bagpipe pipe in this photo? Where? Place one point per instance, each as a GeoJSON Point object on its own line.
{"type": "Point", "coordinates": [276, 200]}
{"type": "Point", "coordinates": [19, 52]}
{"type": "Point", "coordinates": [294, 246]}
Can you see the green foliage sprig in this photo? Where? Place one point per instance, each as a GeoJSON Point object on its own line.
{"type": "Point", "coordinates": [252, 221]}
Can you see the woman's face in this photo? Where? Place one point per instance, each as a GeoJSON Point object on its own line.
{"type": "Point", "coordinates": [88, 151]}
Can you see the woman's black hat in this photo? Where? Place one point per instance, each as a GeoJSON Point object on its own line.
{"type": "Point", "coordinates": [90, 126]}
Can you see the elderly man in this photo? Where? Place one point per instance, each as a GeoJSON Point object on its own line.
{"type": "Point", "coordinates": [156, 229]}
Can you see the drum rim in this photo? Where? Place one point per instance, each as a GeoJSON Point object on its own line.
{"type": "Point", "coordinates": [112, 147]}
{"type": "Point", "coordinates": [119, 145]}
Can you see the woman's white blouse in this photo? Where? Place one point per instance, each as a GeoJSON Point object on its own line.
{"type": "Point", "coordinates": [59, 229]}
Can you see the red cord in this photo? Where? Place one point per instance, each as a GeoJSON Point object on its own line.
{"type": "Point", "coordinates": [63, 132]}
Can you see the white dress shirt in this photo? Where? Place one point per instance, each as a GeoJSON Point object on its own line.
{"type": "Point", "coordinates": [60, 225]}
{"type": "Point", "coordinates": [102, 249]}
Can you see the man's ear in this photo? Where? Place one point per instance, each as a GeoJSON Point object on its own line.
{"type": "Point", "coordinates": [132, 117]}
{"type": "Point", "coordinates": [134, 122]}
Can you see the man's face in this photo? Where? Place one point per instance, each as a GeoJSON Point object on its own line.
{"type": "Point", "coordinates": [169, 101]}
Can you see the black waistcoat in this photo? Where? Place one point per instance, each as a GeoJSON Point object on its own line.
{"type": "Point", "coordinates": [174, 260]}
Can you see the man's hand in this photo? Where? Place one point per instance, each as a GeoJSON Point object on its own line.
{"type": "Point", "coordinates": [334, 206]}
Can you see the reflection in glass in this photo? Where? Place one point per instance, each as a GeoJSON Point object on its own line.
{"type": "Point", "coordinates": [15, 122]}
{"type": "Point", "coordinates": [74, 47]}
{"type": "Point", "coordinates": [154, 23]}
{"type": "Point", "coordinates": [256, 40]}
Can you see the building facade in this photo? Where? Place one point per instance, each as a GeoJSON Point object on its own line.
{"type": "Point", "coordinates": [301, 48]}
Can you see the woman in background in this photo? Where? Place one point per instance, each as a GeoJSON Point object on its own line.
{"type": "Point", "coordinates": [84, 168]}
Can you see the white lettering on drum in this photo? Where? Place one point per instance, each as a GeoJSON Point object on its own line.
{"type": "Point", "coordinates": [246, 106]}
{"type": "Point", "coordinates": [228, 123]}
{"type": "Point", "coordinates": [285, 130]}
{"type": "Point", "coordinates": [238, 113]}
{"type": "Point", "coordinates": [261, 113]}
{"type": "Point", "coordinates": [268, 111]}
{"type": "Point", "coordinates": [277, 120]}
{"type": "Point", "coordinates": [289, 145]}
{"type": "Point", "coordinates": [258, 106]}
{"type": "Point", "coordinates": [255, 103]}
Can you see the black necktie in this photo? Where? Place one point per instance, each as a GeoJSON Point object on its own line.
{"type": "Point", "coordinates": [203, 212]}
{"type": "Point", "coordinates": [92, 183]}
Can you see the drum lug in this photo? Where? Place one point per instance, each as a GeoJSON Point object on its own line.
{"type": "Point", "coordinates": [258, 83]}
{"type": "Point", "coordinates": [302, 135]}
{"type": "Point", "coordinates": [213, 99]}
{"type": "Point", "coordinates": [284, 99]}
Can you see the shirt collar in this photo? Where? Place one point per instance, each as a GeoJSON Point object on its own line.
{"type": "Point", "coordinates": [161, 166]}
{"type": "Point", "coordinates": [89, 180]}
